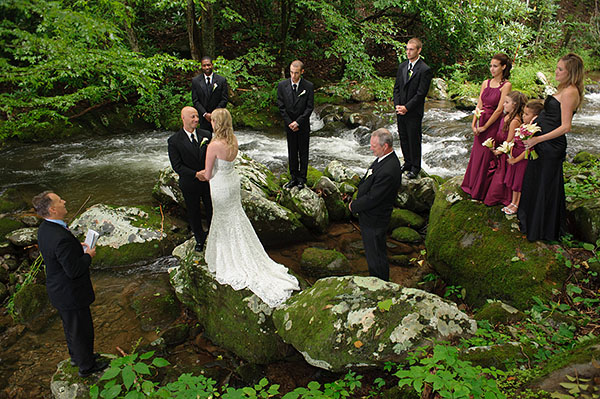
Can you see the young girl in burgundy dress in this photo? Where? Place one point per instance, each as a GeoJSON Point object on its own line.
{"type": "Point", "coordinates": [517, 162]}
{"type": "Point", "coordinates": [490, 104]}
{"type": "Point", "coordinates": [499, 193]}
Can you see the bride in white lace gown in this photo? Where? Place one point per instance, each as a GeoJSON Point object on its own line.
{"type": "Point", "coordinates": [233, 251]}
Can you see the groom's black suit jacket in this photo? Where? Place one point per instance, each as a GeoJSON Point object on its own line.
{"type": "Point", "coordinates": [187, 160]}
{"type": "Point", "coordinates": [296, 106]}
{"type": "Point", "coordinates": [377, 192]}
{"type": "Point", "coordinates": [207, 99]}
{"type": "Point", "coordinates": [67, 268]}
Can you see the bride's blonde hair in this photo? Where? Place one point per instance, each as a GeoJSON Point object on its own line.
{"type": "Point", "coordinates": [223, 129]}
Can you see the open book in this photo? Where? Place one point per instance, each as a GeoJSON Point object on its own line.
{"type": "Point", "coordinates": [91, 238]}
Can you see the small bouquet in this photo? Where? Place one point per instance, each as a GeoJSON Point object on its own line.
{"type": "Point", "coordinates": [477, 112]}
{"type": "Point", "coordinates": [505, 147]}
{"type": "Point", "coordinates": [525, 132]}
{"type": "Point", "coordinates": [489, 143]}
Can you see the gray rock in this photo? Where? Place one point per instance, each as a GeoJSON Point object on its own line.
{"type": "Point", "coordinates": [317, 262]}
{"type": "Point", "coordinates": [311, 208]}
{"type": "Point", "coordinates": [336, 207]}
{"type": "Point", "coordinates": [417, 194]}
{"type": "Point", "coordinates": [166, 190]}
{"type": "Point", "coordinates": [585, 219]}
{"type": "Point", "coordinates": [23, 237]}
{"type": "Point", "coordinates": [352, 321]}
{"type": "Point", "coordinates": [362, 93]}
{"type": "Point", "coordinates": [438, 89]}
{"type": "Point", "coordinates": [339, 173]}
{"type": "Point", "coordinates": [31, 220]}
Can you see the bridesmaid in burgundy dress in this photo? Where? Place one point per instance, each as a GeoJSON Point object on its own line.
{"type": "Point", "coordinates": [517, 164]}
{"type": "Point", "coordinates": [491, 100]}
{"type": "Point", "coordinates": [499, 193]}
{"type": "Point", "coordinates": [542, 213]}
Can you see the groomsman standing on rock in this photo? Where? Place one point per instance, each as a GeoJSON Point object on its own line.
{"type": "Point", "coordinates": [209, 92]}
{"type": "Point", "coordinates": [295, 99]}
{"type": "Point", "coordinates": [374, 202]}
{"type": "Point", "coordinates": [411, 87]}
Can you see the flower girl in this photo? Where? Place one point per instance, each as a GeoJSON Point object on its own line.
{"type": "Point", "coordinates": [498, 192]}
{"type": "Point", "coordinates": [517, 162]}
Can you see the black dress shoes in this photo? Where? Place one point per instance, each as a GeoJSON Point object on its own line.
{"type": "Point", "coordinates": [300, 185]}
{"type": "Point", "coordinates": [199, 247]}
{"type": "Point", "coordinates": [411, 175]}
{"type": "Point", "coordinates": [96, 357]}
{"type": "Point", "coordinates": [98, 366]}
{"type": "Point", "coordinates": [290, 184]}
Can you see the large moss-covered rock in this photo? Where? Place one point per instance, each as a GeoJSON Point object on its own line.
{"type": "Point", "coordinates": [339, 173]}
{"type": "Point", "coordinates": [8, 225]}
{"type": "Point", "coordinates": [311, 208]}
{"type": "Point", "coordinates": [313, 175]}
{"type": "Point", "coordinates": [336, 207]}
{"type": "Point", "coordinates": [11, 200]}
{"type": "Point", "coordinates": [318, 262]}
{"type": "Point", "coordinates": [238, 321]}
{"type": "Point", "coordinates": [497, 312]}
{"type": "Point", "coordinates": [480, 249]}
{"type": "Point", "coordinates": [127, 234]}
{"type": "Point", "coordinates": [166, 189]}
{"type": "Point", "coordinates": [23, 237]}
{"type": "Point", "coordinates": [406, 218]}
{"type": "Point", "coordinates": [584, 218]}
{"type": "Point", "coordinates": [32, 306]}
{"type": "Point", "coordinates": [406, 234]}
{"type": "Point", "coordinates": [418, 194]}
{"type": "Point", "coordinates": [350, 321]}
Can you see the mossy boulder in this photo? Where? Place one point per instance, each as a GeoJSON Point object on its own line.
{"type": "Point", "coordinates": [480, 249]}
{"type": "Point", "coordinates": [313, 176]}
{"type": "Point", "coordinates": [584, 219]}
{"type": "Point", "coordinates": [353, 321]}
{"type": "Point", "coordinates": [400, 260]}
{"type": "Point", "coordinates": [438, 89]}
{"type": "Point", "coordinates": [317, 262]}
{"type": "Point", "coordinates": [497, 312]}
{"type": "Point", "coordinates": [23, 237]}
{"type": "Point", "coordinates": [406, 218]}
{"type": "Point", "coordinates": [336, 207]}
{"type": "Point", "coordinates": [11, 200]}
{"type": "Point", "coordinates": [309, 206]}
{"type": "Point", "coordinates": [67, 384]}
{"type": "Point", "coordinates": [406, 234]}
{"type": "Point", "coordinates": [166, 189]}
{"type": "Point", "coordinates": [504, 356]}
{"type": "Point", "coordinates": [127, 234]}
{"type": "Point", "coordinates": [362, 93]}
{"type": "Point", "coordinates": [584, 156]}
{"type": "Point", "coordinates": [8, 225]}
{"type": "Point", "coordinates": [32, 306]}
{"type": "Point", "coordinates": [339, 173]}
{"type": "Point", "coordinates": [417, 194]}
{"type": "Point", "coordinates": [238, 321]}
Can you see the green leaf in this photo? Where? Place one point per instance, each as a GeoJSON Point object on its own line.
{"type": "Point", "coordinates": [146, 355]}
{"type": "Point", "coordinates": [515, 259]}
{"type": "Point", "coordinates": [111, 392]}
{"type": "Point", "coordinates": [385, 305]}
{"type": "Point", "coordinates": [110, 373]}
{"type": "Point", "coordinates": [147, 387]}
{"type": "Point", "coordinates": [141, 368]}
{"type": "Point", "coordinates": [588, 247]}
{"type": "Point", "coordinates": [128, 377]}
{"type": "Point", "coordinates": [94, 391]}
{"type": "Point", "coordinates": [160, 362]}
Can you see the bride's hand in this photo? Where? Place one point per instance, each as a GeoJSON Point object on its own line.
{"type": "Point", "coordinates": [200, 175]}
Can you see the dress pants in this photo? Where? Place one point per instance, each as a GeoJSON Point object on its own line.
{"type": "Point", "coordinates": [79, 333]}
{"type": "Point", "coordinates": [374, 241]}
{"type": "Point", "coordinates": [297, 143]}
{"type": "Point", "coordinates": [410, 133]}
{"type": "Point", "coordinates": [192, 203]}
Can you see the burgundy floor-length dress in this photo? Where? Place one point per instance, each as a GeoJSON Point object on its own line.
{"type": "Point", "coordinates": [515, 172]}
{"type": "Point", "coordinates": [498, 192]}
{"type": "Point", "coordinates": [479, 175]}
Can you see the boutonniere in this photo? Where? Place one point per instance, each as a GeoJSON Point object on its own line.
{"type": "Point", "coordinates": [204, 141]}
{"type": "Point", "coordinates": [369, 173]}
{"type": "Point", "coordinates": [215, 86]}
{"type": "Point", "coordinates": [301, 94]}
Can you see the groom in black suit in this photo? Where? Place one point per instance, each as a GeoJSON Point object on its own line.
{"type": "Point", "coordinates": [411, 87]}
{"type": "Point", "coordinates": [68, 281]}
{"type": "Point", "coordinates": [296, 101]}
{"type": "Point", "coordinates": [187, 153]}
{"type": "Point", "coordinates": [209, 92]}
{"type": "Point", "coordinates": [377, 192]}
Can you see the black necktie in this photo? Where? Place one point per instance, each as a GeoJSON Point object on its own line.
{"type": "Point", "coordinates": [208, 83]}
{"type": "Point", "coordinates": [410, 68]}
{"type": "Point", "coordinates": [194, 141]}
{"type": "Point", "coordinates": [294, 87]}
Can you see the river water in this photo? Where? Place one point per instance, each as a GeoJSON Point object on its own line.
{"type": "Point", "coordinates": [122, 169]}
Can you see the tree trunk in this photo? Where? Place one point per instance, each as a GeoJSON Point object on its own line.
{"type": "Point", "coordinates": [286, 11]}
{"type": "Point", "coordinates": [192, 30]}
{"type": "Point", "coordinates": [208, 30]}
{"type": "Point", "coordinates": [132, 38]}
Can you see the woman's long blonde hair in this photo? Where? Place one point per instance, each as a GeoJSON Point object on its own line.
{"type": "Point", "coordinates": [223, 129]}
{"type": "Point", "coordinates": [574, 65]}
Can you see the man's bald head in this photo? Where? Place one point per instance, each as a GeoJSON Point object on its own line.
{"type": "Point", "coordinates": [190, 118]}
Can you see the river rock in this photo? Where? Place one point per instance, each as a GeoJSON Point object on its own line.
{"type": "Point", "coordinates": [361, 94]}
{"type": "Point", "coordinates": [465, 103]}
{"type": "Point", "coordinates": [365, 119]}
{"type": "Point", "coordinates": [480, 249]}
{"type": "Point", "coordinates": [238, 321]}
{"type": "Point", "coordinates": [352, 321]}
{"type": "Point", "coordinates": [584, 218]}
{"type": "Point", "coordinates": [32, 306]}
{"type": "Point", "coordinates": [339, 173]}
{"type": "Point", "coordinates": [336, 207]}
{"type": "Point", "coordinates": [254, 175]}
{"type": "Point", "coordinates": [66, 384]}
{"type": "Point", "coordinates": [23, 237]}
{"type": "Point", "coordinates": [418, 194]}
{"type": "Point", "coordinates": [438, 89]}
{"type": "Point", "coordinates": [313, 175]}
{"type": "Point", "coordinates": [406, 234]}
{"type": "Point", "coordinates": [498, 312]}
{"type": "Point", "coordinates": [585, 157]}
{"type": "Point", "coordinates": [166, 190]}
{"type": "Point", "coordinates": [8, 225]}
{"type": "Point", "coordinates": [310, 207]}
{"type": "Point", "coordinates": [127, 234]}
{"type": "Point", "coordinates": [406, 218]}
{"type": "Point", "coordinates": [317, 262]}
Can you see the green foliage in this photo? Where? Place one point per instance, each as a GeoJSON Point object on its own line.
{"type": "Point", "coordinates": [30, 278]}
{"type": "Point", "coordinates": [584, 181]}
{"type": "Point", "coordinates": [445, 374]}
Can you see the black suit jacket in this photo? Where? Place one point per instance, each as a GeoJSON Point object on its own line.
{"type": "Point", "coordinates": [67, 267]}
{"type": "Point", "coordinates": [207, 99]}
{"type": "Point", "coordinates": [377, 192]}
{"type": "Point", "coordinates": [296, 106]}
{"type": "Point", "coordinates": [187, 160]}
{"type": "Point", "coordinates": [412, 92]}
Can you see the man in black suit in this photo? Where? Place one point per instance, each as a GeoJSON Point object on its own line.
{"type": "Point", "coordinates": [411, 87]}
{"type": "Point", "coordinates": [68, 281]}
{"type": "Point", "coordinates": [209, 92]}
{"type": "Point", "coordinates": [187, 152]}
{"type": "Point", "coordinates": [296, 100]}
{"type": "Point", "coordinates": [377, 192]}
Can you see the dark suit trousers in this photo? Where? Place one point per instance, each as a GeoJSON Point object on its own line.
{"type": "Point", "coordinates": [374, 240]}
{"type": "Point", "coordinates": [297, 143]}
{"type": "Point", "coordinates": [192, 203]}
{"type": "Point", "coordinates": [79, 333]}
{"type": "Point", "coordinates": [410, 133]}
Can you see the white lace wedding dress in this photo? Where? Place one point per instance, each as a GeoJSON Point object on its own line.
{"type": "Point", "coordinates": [233, 251]}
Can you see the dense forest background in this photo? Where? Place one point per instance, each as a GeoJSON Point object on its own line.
{"type": "Point", "coordinates": [63, 59]}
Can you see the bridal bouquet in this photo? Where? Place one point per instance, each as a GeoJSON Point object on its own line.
{"type": "Point", "coordinates": [506, 147]}
{"type": "Point", "coordinates": [489, 143]}
{"type": "Point", "coordinates": [477, 112]}
{"type": "Point", "coordinates": [525, 132]}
